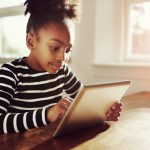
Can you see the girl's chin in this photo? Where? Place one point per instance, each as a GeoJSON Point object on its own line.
{"type": "Point", "coordinates": [52, 71]}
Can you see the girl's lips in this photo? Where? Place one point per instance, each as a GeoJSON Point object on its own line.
{"type": "Point", "coordinates": [56, 66]}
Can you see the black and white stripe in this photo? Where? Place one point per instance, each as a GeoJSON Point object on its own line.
{"type": "Point", "coordinates": [26, 94]}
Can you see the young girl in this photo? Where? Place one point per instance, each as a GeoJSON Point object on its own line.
{"type": "Point", "coordinates": [31, 87]}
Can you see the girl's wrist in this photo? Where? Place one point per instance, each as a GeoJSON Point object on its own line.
{"type": "Point", "coordinates": [48, 116]}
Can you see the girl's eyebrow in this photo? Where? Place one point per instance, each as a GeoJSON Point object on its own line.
{"type": "Point", "coordinates": [56, 40]}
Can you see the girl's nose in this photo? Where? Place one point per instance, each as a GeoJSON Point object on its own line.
{"type": "Point", "coordinates": [61, 56]}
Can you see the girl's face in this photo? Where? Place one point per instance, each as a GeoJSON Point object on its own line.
{"type": "Point", "coordinates": [51, 47]}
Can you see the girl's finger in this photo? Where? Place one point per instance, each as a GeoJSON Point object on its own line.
{"type": "Point", "coordinates": [117, 110]}
{"type": "Point", "coordinates": [116, 114]}
{"type": "Point", "coordinates": [65, 103]}
{"type": "Point", "coordinates": [116, 106]}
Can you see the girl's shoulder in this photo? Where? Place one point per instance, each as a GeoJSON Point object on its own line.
{"type": "Point", "coordinates": [13, 64]}
{"type": "Point", "coordinates": [10, 68]}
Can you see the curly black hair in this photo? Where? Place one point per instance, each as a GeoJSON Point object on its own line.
{"type": "Point", "coordinates": [43, 12]}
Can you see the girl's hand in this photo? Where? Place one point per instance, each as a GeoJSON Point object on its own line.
{"type": "Point", "coordinates": [114, 112]}
{"type": "Point", "coordinates": [58, 111]}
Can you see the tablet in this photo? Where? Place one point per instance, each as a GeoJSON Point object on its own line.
{"type": "Point", "coordinates": [90, 106]}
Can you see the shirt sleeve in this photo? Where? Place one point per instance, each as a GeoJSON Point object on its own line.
{"type": "Point", "coordinates": [16, 122]}
{"type": "Point", "coordinates": [72, 84]}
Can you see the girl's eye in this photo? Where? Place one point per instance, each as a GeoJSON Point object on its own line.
{"type": "Point", "coordinates": [54, 49]}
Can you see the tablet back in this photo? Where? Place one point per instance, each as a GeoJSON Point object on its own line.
{"type": "Point", "coordinates": [90, 106]}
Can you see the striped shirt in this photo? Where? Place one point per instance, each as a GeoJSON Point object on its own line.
{"type": "Point", "coordinates": [26, 94]}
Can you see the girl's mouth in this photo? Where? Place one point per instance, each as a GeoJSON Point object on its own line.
{"type": "Point", "coordinates": [56, 66]}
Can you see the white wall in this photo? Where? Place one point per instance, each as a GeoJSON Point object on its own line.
{"type": "Point", "coordinates": [89, 40]}
{"type": "Point", "coordinates": [82, 55]}
{"type": "Point", "coordinates": [98, 39]}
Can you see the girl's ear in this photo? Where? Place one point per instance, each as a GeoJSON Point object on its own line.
{"type": "Point", "coordinates": [30, 41]}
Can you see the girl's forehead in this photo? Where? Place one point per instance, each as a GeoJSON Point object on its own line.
{"type": "Point", "coordinates": [57, 31]}
{"type": "Point", "coordinates": [54, 31]}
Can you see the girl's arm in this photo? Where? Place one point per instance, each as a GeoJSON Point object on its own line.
{"type": "Point", "coordinates": [16, 122]}
{"type": "Point", "coordinates": [71, 83]}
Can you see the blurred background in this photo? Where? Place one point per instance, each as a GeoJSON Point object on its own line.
{"type": "Point", "coordinates": [112, 40]}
